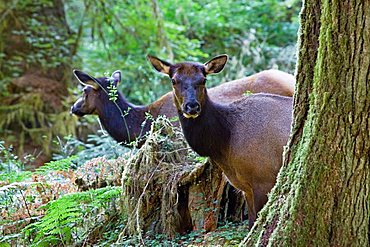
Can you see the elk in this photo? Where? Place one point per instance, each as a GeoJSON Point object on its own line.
{"type": "Point", "coordinates": [244, 138]}
{"type": "Point", "coordinates": [126, 122]}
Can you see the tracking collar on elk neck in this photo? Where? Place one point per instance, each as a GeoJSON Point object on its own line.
{"type": "Point", "coordinates": [87, 80]}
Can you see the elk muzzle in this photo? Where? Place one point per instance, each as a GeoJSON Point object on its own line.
{"type": "Point", "coordinates": [76, 108]}
{"type": "Point", "coordinates": [191, 109]}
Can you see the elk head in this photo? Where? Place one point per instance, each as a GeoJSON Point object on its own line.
{"type": "Point", "coordinates": [188, 82]}
{"type": "Point", "coordinates": [93, 89]}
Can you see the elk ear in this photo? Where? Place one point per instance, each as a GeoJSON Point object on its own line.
{"type": "Point", "coordinates": [116, 75]}
{"type": "Point", "coordinates": [159, 65]}
{"type": "Point", "coordinates": [85, 79]}
{"type": "Point", "coordinates": [216, 64]}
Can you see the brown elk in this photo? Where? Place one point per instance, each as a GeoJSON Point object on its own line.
{"type": "Point", "coordinates": [126, 122]}
{"type": "Point", "coordinates": [244, 138]}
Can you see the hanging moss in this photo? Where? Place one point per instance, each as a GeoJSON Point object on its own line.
{"type": "Point", "coordinates": [29, 117]}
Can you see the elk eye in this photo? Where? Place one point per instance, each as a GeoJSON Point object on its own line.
{"type": "Point", "coordinates": [173, 81]}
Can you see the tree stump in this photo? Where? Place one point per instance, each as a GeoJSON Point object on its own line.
{"type": "Point", "coordinates": [167, 189]}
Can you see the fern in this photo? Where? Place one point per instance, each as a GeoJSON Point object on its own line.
{"type": "Point", "coordinates": [66, 218]}
{"type": "Point", "coordinates": [58, 165]}
{"type": "Point", "coordinates": [14, 176]}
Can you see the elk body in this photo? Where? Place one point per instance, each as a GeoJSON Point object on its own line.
{"type": "Point", "coordinates": [124, 121]}
{"type": "Point", "coordinates": [244, 138]}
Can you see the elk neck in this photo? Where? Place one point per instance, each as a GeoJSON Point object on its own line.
{"type": "Point", "coordinates": [209, 133]}
{"type": "Point", "coordinates": [123, 120]}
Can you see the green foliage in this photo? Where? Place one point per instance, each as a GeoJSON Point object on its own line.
{"type": "Point", "coordinates": [35, 43]}
{"type": "Point", "coordinates": [35, 52]}
{"type": "Point", "coordinates": [230, 234]}
{"type": "Point", "coordinates": [256, 34]}
{"type": "Point", "coordinates": [227, 235]}
{"type": "Point", "coordinates": [11, 167]}
{"type": "Point", "coordinates": [32, 199]}
{"type": "Point", "coordinates": [30, 118]}
{"type": "Point", "coordinates": [67, 219]}
{"type": "Point", "coordinates": [58, 165]}
{"type": "Point", "coordinates": [99, 145]}
{"type": "Point", "coordinates": [8, 160]}
{"type": "Point", "coordinates": [112, 92]}
{"type": "Point", "coordinates": [13, 176]}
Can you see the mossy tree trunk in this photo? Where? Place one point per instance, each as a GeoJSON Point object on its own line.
{"type": "Point", "coordinates": [36, 53]}
{"type": "Point", "coordinates": [322, 194]}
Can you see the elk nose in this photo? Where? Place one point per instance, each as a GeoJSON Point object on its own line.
{"type": "Point", "coordinates": [192, 108]}
{"type": "Point", "coordinates": [73, 109]}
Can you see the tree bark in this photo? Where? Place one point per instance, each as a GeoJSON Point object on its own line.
{"type": "Point", "coordinates": [322, 193]}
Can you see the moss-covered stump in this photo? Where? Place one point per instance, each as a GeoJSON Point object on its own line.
{"type": "Point", "coordinates": [167, 189]}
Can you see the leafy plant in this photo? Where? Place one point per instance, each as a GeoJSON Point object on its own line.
{"type": "Point", "coordinates": [228, 234]}
{"type": "Point", "coordinates": [71, 218]}
{"type": "Point", "coordinates": [50, 192]}
{"type": "Point", "coordinates": [112, 91]}
{"type": "Point", "coordinates": [11, 167]}
{"type": "Point", "coordinates": [58, 165]}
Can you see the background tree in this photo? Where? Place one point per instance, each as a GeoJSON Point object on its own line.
{"type": "Point", "coordinates": [322, 194]}
{"type": "Point", "coordinates": [35, 69]}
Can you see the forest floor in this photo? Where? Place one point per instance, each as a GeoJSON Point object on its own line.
{"type": "Point", "coordinates": [78, 200]}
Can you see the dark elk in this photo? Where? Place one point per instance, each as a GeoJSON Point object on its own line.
{"type": "Point", "coordinates": [244, 138]}
{"type": "Point", "coordinates": [124, 121]}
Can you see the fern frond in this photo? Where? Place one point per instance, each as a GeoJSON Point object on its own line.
{"type": "Point", "coordinates": [69, 212]}
{"type": "Point", "coordinates": [58, 165]}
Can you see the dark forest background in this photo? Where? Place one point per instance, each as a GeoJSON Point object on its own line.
{"type": "Point", "coordinates": [43, 41]}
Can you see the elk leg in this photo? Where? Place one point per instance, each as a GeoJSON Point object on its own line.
{"type": "Point", "coordinates": [249, 197]}
{"type": "Point", "coordinates": [259, 202]}
{"type": "Point", "coordinates": [260, 197]}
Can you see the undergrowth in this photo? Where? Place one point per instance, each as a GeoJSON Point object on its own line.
{"type": "Point", "coordinates": [11, 167]}
{"type": "Point", "coordinates": [77, 200]}
{"type": "Point", "coordinates": [46, 208]}
{"type": "Point", "coordinates": [73, 217]}
{"type": "Point", "coordinates": [97, 145]}
{"type": "Point", "coordinates": [230, 234]}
